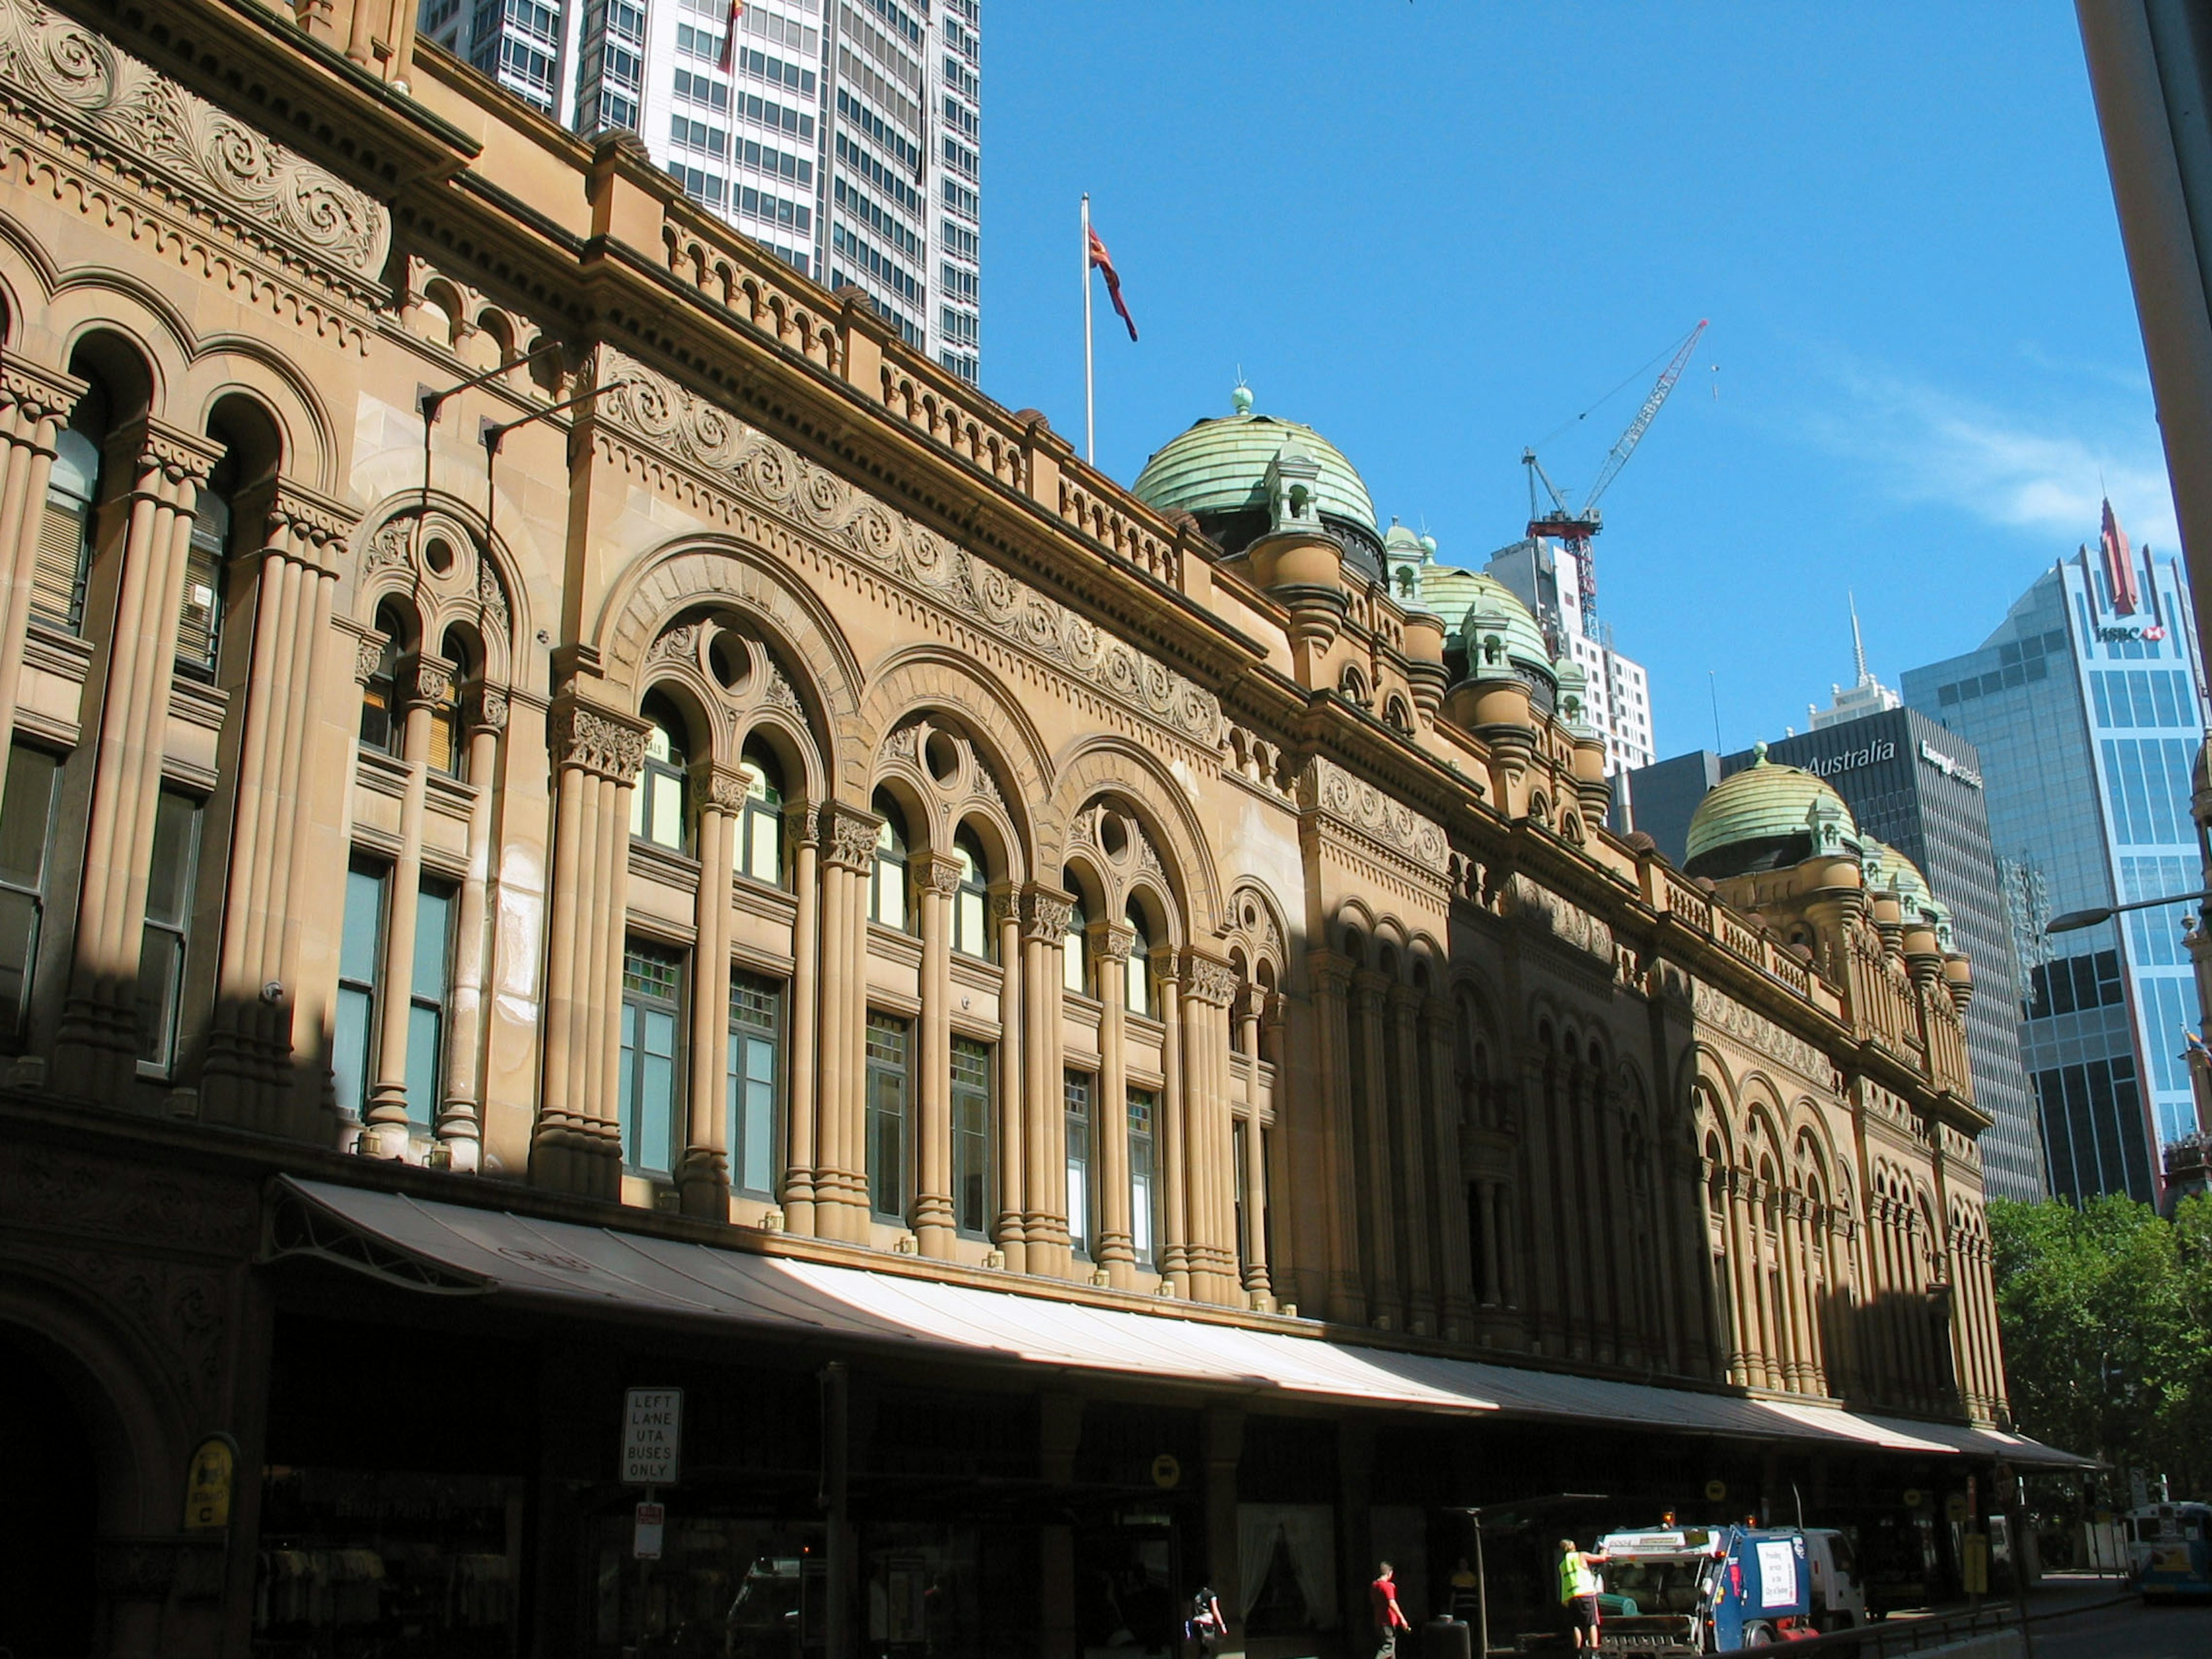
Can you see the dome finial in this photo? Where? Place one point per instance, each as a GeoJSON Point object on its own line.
{"type": "Point", "coordinates": [1758, 753]}
{"type": "Point", "coordinates": [1241, 398]}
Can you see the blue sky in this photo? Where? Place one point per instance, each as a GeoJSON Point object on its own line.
{"type": "Point", "coordinates": [1437, 231]}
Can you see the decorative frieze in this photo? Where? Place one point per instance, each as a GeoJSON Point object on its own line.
{"type": "Point", "coordinates": [651, 407]}
{"type": "Point", "coordinates": [1329, 789]}
{"type": "Point", "coordinates": [1754, 1029]}
{"type": "Point", "coordinates": [74, 74]}
{"type": "Point", "coordinates": [1538, 907]}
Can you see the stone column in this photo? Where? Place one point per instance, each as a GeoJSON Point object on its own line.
{"type": "Point", "coordinates": [1386, 1308]}
{"type": "Point", "coordinates": [34, 403]}
{"type": "Point", "coordinates": [1013, 1084]}
{"type": "Point", "coordinates": [1746, 1364]}
{"type": "Point", "coordinates": [460, 1114]}
{"type": "Point", "coordinates": [840, 1178]}
{"type": "Point", "coordinates": [1258, 1287]}
{"type": "Point", "coordinates": [132, 668]}
{"type": "Point", "coordinates": [1044, 1212]}
{"type": "Point", "coordinates": [597, 755]}
{"type": "Point", "coordinates": [1170, 1135]}
{"type": "Point", "coordinates": [1416, 1163]}
{"type": "Point", "coordinates": [802, 1106]}
{"type": "Point", "coordinates": [1334, 1064]}
{"type": "Point", "coordinates": [247, 1076]}
{"type": "Point", "coordinates": [1493, 1238]}
{"type": "Point", "coordinates": [424, 682]}
{"type": "Point", "coordinates": [1539, 1144]}
{"type": "Point", "coordinates": [703, 1174]}
{"type": "Point", "coordinates": [936, 879]}
{"type": "Point", "coordinates": [1208, 984]}
{"type": "Point", "coordinates": [1117, 1255]}
{"type": "Point", "coordinates": [1448, 1191]}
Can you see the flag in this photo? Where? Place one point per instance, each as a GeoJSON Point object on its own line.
{"type": "Point", "coordinates": [2119, 565]}
{"type": "Point", "coordinates": [730, 35]}
{"type": "Point", "coordinates": [1104, 262]}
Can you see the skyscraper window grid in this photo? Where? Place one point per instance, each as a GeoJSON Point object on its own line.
{"type": "Point", "coordinates": [845, 137]}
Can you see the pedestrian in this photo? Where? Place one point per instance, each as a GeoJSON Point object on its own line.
{"type": "Point", "coordinates": [1578, 1593]}
{"type": "Point", "coordinates": [1206, 1624]}
{"type": "Point", "coordinates": [1389, 1619]}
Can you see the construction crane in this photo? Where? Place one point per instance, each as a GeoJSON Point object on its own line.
{"type": "Point", "coordinates": [1576, 527]}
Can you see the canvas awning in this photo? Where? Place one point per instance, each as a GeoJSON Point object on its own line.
{"type": "Point", "coordinates": [456, 1249]}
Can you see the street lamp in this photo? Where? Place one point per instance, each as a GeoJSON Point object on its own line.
{"type": "Point", "coordinates": [2074, 920]}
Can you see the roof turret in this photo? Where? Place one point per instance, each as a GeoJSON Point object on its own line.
{"type": "Point", "coordinates": [1767, 817]}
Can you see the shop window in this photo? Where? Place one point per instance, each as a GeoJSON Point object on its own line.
{"type": "Point", "coordinates": [887, 886]}
{"type": "Point", "coordinates": [971, 1137]}
{"type": "Point", "coordinates": [760, 825]}
{"type": "Point", "coordinates": [1075, 949]}
{"type": "Point", "coordinates": [890, 1039]}
{"type": "Point", "coordinates": [971, 929]}
{"type": "Point", "coordinates": [199, 613]}
{"type": "Point", "coordinates": [429, 976]}
{"type": "Point", "coordinates": [652, 1015]}
{"type": "Point", "coordinates": [169, 914]}
{"type": "Point", "coordinates": [754, 1081]}
{"type": "Point", "coordinates": [660, 807]}
{"type": "Point", "coordinates": [361, 949]}
{"type": "Point", "coordinates": [1137, 972]}
{"type": "Point", "coordinates": [1143, 1114]}
{"type": "Point", "coordinates": [1076, 1089]}
{"type": "Point", "coordinates": [27, 818]}
{"type": "Point", "coordinates": [63, 558]}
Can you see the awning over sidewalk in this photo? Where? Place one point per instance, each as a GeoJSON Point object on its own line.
{"type": "Point", "coordinates": [456, 1249]}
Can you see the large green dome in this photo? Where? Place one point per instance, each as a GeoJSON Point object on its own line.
{"type": "Point", "coordinates": [1217, 472]}
{"type": "Point", "coordinates": [1761, 818]}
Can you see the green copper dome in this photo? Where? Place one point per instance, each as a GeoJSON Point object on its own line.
{"type": "Point", "coordinates": [1217, 472]}
{"type": "Point", "coordinates": [1887, 868]}
{"type": "Point", "coordinates": [1762, 818]}
{"type": "Point", "coordinates": [1477, 608]}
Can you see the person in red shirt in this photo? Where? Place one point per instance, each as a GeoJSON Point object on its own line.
{"type": "Point", "coordinates": [1389, 1619]}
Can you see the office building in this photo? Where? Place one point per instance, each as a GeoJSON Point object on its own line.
{"type": "Point", "coordinates": [1093, 1053]}
{"type": "Point", "coordinates": [2088, 706]}
{"type": "Point", "coordinates": [846, 139]}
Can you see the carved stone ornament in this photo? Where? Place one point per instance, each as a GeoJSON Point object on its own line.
{"type": "Point", "coordinates": [1538, 907]}
{"type": "Point", "coordinates": [758, 468]}
{"type": "Point", "coordinates": [155, 127]}
{"type": "Point", "coordinates": [596, 741]}
{"type": "Point", "coordinates": [309, 520]}
{"type": "Point", "coordinates": [1748, 1026]}
{"type": "Point", "coordinates": [905, 743]}
{"type": "Point", "coordinates": [1045, 916]}
{"type": "Point", "coordinates": [726, 790]}
{"type": "Point", "coordinates": [934, 874]}
{"type": "Point", "coordinates": [430, 680]}
{"type": "Point", "coordinates": [1116, 944]}
{"type": "Point", "coordinates": [178, 455]}
{"type": "Point", "coordinates": [35, 392]}
{"type": "Point", "coordinates": [780, 693]}
{"type": "Point", "coordinates": [488, 711]}
{"type": "Point", "coordinates": [851, 836]}
{"type": "Point", "coordinates": [1209, 981]}
{"type": "Point", "coordinates": [368, 657]}
{"type": "Point", "coordinates": [1328, 788]}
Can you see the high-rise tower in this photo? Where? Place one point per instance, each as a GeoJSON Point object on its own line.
{"type": "Point", "coordinates": [846, 136]}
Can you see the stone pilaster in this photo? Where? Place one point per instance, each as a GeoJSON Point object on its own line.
{"type": "Point", "coordinates": [35, 403]}
{"type": "Point", "coordinates": [459, 1127]}
{"type": "Point", "coordinates": [840, 1178]}
{"type": "Point", "coordinates": [1044, 915]}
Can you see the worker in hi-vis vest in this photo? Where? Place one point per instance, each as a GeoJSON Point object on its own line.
{"type": "Point", "coordinates": [1578, 1593]}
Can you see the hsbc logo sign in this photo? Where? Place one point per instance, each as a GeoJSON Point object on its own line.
{"type": "Point", "coordinates": [2149, 635]}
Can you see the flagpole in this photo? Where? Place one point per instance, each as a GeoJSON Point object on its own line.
{"type": "Point", "coordinates": [1090, 415]}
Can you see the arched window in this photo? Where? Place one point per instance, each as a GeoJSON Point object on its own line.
{"type": "Point", "coordinates": [199, 614]}
{"type": "Point", "coordinates": [659, 805]}
{"type": "Point", "coordinates": [760, 826]}
{"type": "Point", "coordinates": [887, 889]}
{"type": "Point", "coordinates": [64, 554]}
{"type": "Point", "coordinates": [1137, 972]}
{"type": "Point", "coordinates": [971, 928]}
{"type": "Point", "coordinates": [1075, 945]}
{"type": "Point", "coordinates": [380, 697]}
{"type": "Point", "coordinates": [448, 748]}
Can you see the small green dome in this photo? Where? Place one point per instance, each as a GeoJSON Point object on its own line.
{"type": "Point", "coordinates": [1761, 818]}
{"type": "Point", "coordinates": [1217, 472]}
{"type": "Point", "coordinates": [1888, 868]}
{"type": "Point", "coordinates": [1402, 542]}
{"type": "Point", "coordinates": [1574, 692]}
{"type": "Point", "coordinates": [1474, 607]}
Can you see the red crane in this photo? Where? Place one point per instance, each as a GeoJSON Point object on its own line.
{"type": "Point", "coordinates": [1576, 527]}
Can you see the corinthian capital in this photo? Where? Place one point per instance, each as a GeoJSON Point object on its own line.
{"type": "Point", "coordinates": [596, 740]}
{"type": "Point", "coordinates": [849, 833]}
{"type": "Point", "coordinates": [1209, 979]}
{"type": "Point", "coordinates": [1045, 911]}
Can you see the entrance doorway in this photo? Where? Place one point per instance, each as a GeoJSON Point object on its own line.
{"type": "Point", "coordinates": [48, 1599]}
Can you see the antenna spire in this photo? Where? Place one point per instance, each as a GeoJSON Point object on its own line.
{"type": "Point", "coordinates": [1858, 643]}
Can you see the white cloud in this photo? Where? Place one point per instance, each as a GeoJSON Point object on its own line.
{"type": "Point", "coordinates": [1928, 444]}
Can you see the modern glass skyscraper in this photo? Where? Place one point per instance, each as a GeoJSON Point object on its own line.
{"type": "Point", "coordinates": [2087, 705]}
{"type": "Point", "coordinates": [844, 135]}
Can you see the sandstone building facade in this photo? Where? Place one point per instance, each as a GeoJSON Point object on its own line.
{"type": "Point", "coordinates": [577, 814]}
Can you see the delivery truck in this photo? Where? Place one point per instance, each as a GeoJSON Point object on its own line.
{"type": "Point", "coordinates": [1693, 1589]}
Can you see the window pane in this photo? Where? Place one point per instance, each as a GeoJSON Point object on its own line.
{"type": "Point", "coordinates": [433, 915]}
{"type": "Point", "coordinates": [626, 1101]}
{"type": "Point", "coordinates": [349, 1053]}
{"type": "Point", "coordinates": [425, 1027]}
{"type": "Point", "coordinates": [763, 846]}
{"type": "Point", "coordinates": [1072, 975]}
{"type": "Point", "coordinates": [972, 1135]}
{"type": "Point", "coordinates": [657, 1092]}
{"type": "Point", "coordinates": [668, 812]}
{"type": "Point", "coordinates": [1137, 984]}
{"type": "Point", "coordinates": [364, 918]}
{"type": "Point", "coordinates": [168, 882]}
{"type": "Point", "coordinates": [25, 812]}
{"type": "Point", "coordinates": [887, 1056]}
{"type": "Point", "coordinates": [968, 936]}
{"type": "Point", "coordinates": [161, 968]}
{"type": "Point", "coordinates": [19, 945]}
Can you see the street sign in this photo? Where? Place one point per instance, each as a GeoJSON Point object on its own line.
{"type": "Point", "coordinates": [1716, 1491]}
{"type": "Point", "coordinates": [652, 1438]}
{"type": "Point", "coordinates": [208, 1484]}
{"type": "Point", "coordinates": [1166, 1471]}
{"type": "Point", "coordinates": [645, 1538]}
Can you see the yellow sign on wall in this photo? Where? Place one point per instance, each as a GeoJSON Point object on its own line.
{"type": "Point", "coordinates": [207, 1483]}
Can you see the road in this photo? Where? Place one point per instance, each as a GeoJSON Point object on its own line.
{"type": "Point", "coordinates": [2129, 1630]}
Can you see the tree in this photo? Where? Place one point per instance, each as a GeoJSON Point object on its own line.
{"type": "Point", "coordinates": [2106, 1316]}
